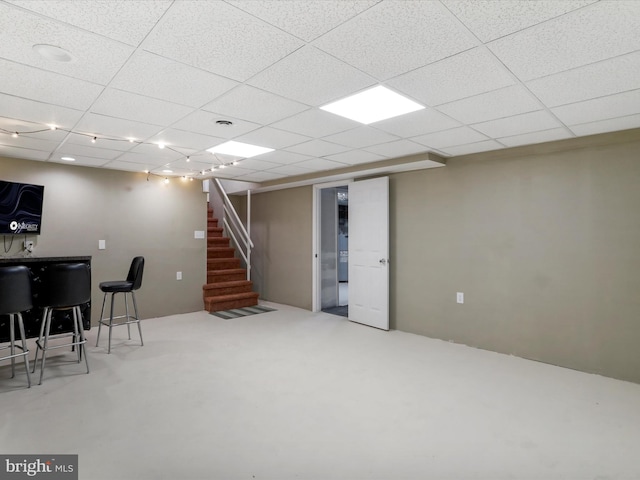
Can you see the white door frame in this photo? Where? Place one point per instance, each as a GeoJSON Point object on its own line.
{"type": "Point", "coordinates": [315, 240]}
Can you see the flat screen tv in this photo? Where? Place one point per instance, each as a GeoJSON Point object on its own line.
{"type": "Point", "coordinates": [20, 208]}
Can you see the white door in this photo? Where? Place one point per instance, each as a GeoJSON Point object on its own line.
{"type": "Point", "coordinates": [369, 252]}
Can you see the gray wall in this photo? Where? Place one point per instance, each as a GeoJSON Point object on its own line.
{"type": "Point", "coordinates": [281, 231]}
{"type": "Point", "coordinates": [135, 216]}
{"type": "Point", "coordinates": [544, 241]}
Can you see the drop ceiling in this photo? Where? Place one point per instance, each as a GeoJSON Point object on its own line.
{"type": "Point", "coordinates": [491, 74]}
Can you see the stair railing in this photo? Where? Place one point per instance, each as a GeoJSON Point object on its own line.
{"type": "Point", "coordinates": [240, 235]}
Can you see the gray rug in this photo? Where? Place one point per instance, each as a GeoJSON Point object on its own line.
{"type": "Point", "coordinates": [242, 312]}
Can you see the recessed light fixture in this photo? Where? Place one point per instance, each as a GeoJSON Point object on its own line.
{"type": "Point", "coordinates": [224, 123]}
{"type": "Point", "coordinates": [51, 52]}
{"type": "Point", "coordinates": [373, 105]}
{"type": "Point", "coordinates": [239, 149]}
{"type": "Point", "coordinates": [68, 159]}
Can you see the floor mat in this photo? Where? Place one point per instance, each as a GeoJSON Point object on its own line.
{"type": "Point", "coordinates": [242, 312]}
{"type": "Point", "coordinates": [343, 310]}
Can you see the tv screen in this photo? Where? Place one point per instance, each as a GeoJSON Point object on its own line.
{"type": "Point", "coordinates": [20, 208]}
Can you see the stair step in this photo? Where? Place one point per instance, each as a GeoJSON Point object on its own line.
{"type": "Point", "coordinates": [214, 231]}
{"type": "Point", "coordinates": [226, 288]}
{"type": "Point", "coordinates": [229, 275]}
{"type": "Point", "coordinates": [217, 241]}
{"type": "Point", "coordinates": [222, 263]}
{"type": "Point", "coordinates": [220, 252]}
{"type": "Point", "coordinates": [212, 222]}
{"type": "Point", "coordinates": [229, 302]}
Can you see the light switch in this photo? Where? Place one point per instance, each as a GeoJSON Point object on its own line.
{"type": "Point", "coordinates": [198, 234]}
{"type": "Point", "coordinates": [178, 275]}
{"type": "Point", "coordinates": [102, 244]}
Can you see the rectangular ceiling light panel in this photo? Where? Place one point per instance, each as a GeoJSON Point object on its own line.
{"type": "Point", "coordinates": [239, 149]}
{"type": "Point", "coordinates": [373, 105]}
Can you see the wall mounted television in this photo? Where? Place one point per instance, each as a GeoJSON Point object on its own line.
{"type": "Point", "coordinates": [20, 208]}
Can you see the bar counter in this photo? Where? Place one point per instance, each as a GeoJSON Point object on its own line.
{"type": "Point", "coordinates": [61, 321]}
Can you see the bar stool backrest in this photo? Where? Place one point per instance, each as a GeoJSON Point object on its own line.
{"type": "Point", "coordinates": [135, 273]}
{"type": "Point", "coordinates": [65, 285]}
{"type": "Point", "coordinates": [15, 289]}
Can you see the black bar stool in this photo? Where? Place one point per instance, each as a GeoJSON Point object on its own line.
{"type": "Point", "coordinates": [132, 283]}
{"type": "Point", "coordinates": [65, 286]}
{"type": "Point", "coordinates": [15, 297]}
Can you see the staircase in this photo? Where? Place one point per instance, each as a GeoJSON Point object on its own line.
{"type": "Point", "coordinates": [227, 285]}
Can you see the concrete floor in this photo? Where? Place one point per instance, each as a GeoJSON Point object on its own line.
{"type": "Point", "coordinates": [297, 395]}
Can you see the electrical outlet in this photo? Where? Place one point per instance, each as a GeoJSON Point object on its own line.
{"type": "Point", "coordinates": [28, 245]}
{"type": "Point", "coordinates": [460, 297]}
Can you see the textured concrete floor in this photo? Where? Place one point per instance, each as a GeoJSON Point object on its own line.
{"type": "Point", "coordinates": [297, 395]}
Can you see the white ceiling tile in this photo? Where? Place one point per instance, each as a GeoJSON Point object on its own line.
{"type": "Point", "coordinates": [220, 38]}
{"type": "Point", "coordinates": [450, 138]}
{"type": "Point", "coordinates": [282, 157]}
{"type": "Point", "coordinates": [360, 137]}
{"type": "Point", "coordinates": [81, 161]}
{"type": "Point", "coordinates": [416, 123]}
{"type": "Point", "coordinates": [619, 105]}
{"type": "Point", "coordinates": [473, 148]}
{"type": "Point", "coordinates": [17, 152]}
{"type": "Point", "coordinates": [122, 20]}
{"type": "Point", "coordinates": [154, 154]}
{"type": "Point", "coordinates": [30, 129]}
{"type": "Point", "coordinates": [180, 83]}
{"type": "Point", "coordinates": [489, 106]}
{"type": "Point", "coordinates": [205, 123]}
{"type": "Point", "coordinates": [47, 87]}
{"type": "Point", "coordinates": [584, 36]}
{"type": "Point", "coordinates": [232, 172]}
{"type": "Point", "coordinates": [181, 139]}
{"type": "Point", "coordinates": [536, 137]}
{"type": "Point", "coordinates": [312, 77]}
{"type": "Point", "coordinates": [144, 160]}
{"type": "Point", "coordinates": [39, 112]}
{"type": "Point", "coordinates": [355, 157]}
{"type": "Point", "coordinates": [306, 20]}
{"type": "Point", "coordinates": [518, 124]}
{"type": "Point", "coordinates": [255, 105]}
{"type": "Point", "coordinates": [448, 79]}
{"type": "Point", "coordinates": [131, 106]}
{"type": "Point", "coordinates": [272, 138]}
{"type": "Point", "coordinates": [397, 149]}
{"type": "Point", "coordinates": [77, 151]}
{"type": "Point", "coordinates": [32, 142]}
{"type": "Point", "coordinates": [289, 170]}
{"type": "Point", "coordinates": [319, 164]}
{"type": "Point", "coordinates": [596, 80]}
{"type": "Point", "coordinates": [316, 123]}
{"type": "Point", "coordinates": [260, 177]}
{"type": "Point", "coordinates": [196, 163]}
{"type": "Point", "coordinates": [128, 166]}
{"type": "Point", "coordinates": [106, 126]}
{"type": "Point", "coordinates": [392, 38]}
{"type": "Point", "coordinates": [610, 125]}
{"type": "Point", "coordinates": [317, 148]}
{"type": "Point", "coordinates": [489, 19]}
{"type": "Point", "coordinates": [97, 58]}
{"type": "Point", "coordinates": [75, 138]}
{"type": "Point", "coordinates": [258, 164]}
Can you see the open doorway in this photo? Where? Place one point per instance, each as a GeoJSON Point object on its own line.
{"type": "Point", "coordinates": [334, 250]}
